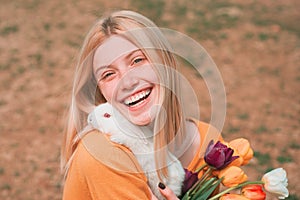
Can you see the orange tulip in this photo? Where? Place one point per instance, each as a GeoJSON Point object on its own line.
{"type": "Point", "coordinates": [232, 176]}
{"type": "Point", "coordinates": [237, 162]}
{"type": "Point", "coordinates": [233, 197]}
{"type": "Point", "coordinates": [243, 149]}
{"type": "Point", "coordinates": [254, 192]}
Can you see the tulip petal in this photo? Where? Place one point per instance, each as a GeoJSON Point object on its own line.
{"type": "Point", "coordinates": [232, 176]}
{"type": "Point", "coordinates": [243, 149]}
{"type": "Point", "coordinates": [219, 155]}
{"type": "Point", "coordinates": [190, 179]}
{"type": "Point", "coordinates": [209, 147]}
{"type": "Point", "coordinates": [253, 192]}
{"type": "Point", "coordinates": [276, 183]}
{"type": "Point", "coordinates": [233, 197]}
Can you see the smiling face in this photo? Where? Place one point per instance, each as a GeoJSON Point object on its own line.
{"type": "Point", "coordinates": [126, 79]}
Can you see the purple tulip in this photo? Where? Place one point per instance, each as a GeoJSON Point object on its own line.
{"type": "Point", "coordinates": [190, 179]}
{"type": "Point", "coordinates": [219, 155]}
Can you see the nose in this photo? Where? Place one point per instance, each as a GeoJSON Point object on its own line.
{"type": "Point", "coordinates": [129, 80]}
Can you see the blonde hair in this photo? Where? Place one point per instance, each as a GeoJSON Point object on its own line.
{"type": "Point", "coordinates": [85, 94]}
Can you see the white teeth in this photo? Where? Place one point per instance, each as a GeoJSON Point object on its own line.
{"type": "Point", "coordinates": [137, 96]}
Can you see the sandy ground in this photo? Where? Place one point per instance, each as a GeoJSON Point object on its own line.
{"type": "Point", "coordinates": [257, 56]}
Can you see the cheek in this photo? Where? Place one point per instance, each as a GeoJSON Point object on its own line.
{"type": "Point", "coordinates": [148, 73]}
{"type": "Point", "coordinates": [107, 91]}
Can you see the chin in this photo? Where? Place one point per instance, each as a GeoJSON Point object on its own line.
{"type": "Point", "coordinates": [140, 121]}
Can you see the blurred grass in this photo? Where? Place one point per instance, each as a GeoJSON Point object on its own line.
{"type": "Point", "coordinates": [209, 17]}
{"type": "Point", "coordinates": [54, 39]}
{"type": "Point", "coordinates": [263, 158]}
{"type": "Point", "coordinates": [153, 9]}
{"type": "Point", "coordinates": [268, 16]}
{"type": "Point", "coordinates": [9, 29]}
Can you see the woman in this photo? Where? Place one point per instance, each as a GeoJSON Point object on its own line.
{"type": "Point", "coordinates": [126, 61]}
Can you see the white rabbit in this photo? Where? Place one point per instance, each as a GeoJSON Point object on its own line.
{"type": "Point", "coordinates": [139, 140]}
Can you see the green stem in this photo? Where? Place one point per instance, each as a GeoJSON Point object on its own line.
{"type": "Point", "coordinates": [199, 182]}
{"type": "Point", "coordinates": [201, 167]}
{"type": "Point", "coordinates": [235, 187]}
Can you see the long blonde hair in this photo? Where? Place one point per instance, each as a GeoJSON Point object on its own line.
{"type": "Point", "coordinates": [85, 94]}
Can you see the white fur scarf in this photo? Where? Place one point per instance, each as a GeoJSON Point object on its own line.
{"type": "Point", "coordinates": [138, 139]}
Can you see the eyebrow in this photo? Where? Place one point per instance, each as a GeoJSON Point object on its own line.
{"type": "Point", "coordinates": [107, 66]}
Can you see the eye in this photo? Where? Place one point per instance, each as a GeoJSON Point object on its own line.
{"type": "Point", "coordinates": [106, 115]}
{"type": "Point", "coordinates": [107, 75]}
{"type": "Point", "coordinates": [137, 60]}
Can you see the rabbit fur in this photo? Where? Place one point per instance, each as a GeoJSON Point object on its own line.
{"type": "Point", "coordinates": [139, 140]}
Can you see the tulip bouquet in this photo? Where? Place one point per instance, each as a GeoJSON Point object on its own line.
{"type": "Point", "coordinates": [222, 165]}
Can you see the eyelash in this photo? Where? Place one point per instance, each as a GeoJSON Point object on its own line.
{"type": "Point", "coordinates": [139, 59]}
{"type": "Point", "coordinates": [106, 75]}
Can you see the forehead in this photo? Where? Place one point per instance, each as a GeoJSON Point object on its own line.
{"type": "Point", "coordinates": [113, 48]}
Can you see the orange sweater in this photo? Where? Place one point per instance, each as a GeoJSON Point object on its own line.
{"type": "Point", "coordinates": [101, 169]}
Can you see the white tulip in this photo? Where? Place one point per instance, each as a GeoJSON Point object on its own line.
{"type": "Point", "coordinates": [276, 183]}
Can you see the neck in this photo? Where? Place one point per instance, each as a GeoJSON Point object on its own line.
{"type": "Point", "coordinates": [148, 130]}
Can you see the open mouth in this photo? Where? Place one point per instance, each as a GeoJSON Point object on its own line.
{"type": "Point", "coordinates": [137, 98]}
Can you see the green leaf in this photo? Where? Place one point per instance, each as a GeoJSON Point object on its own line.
{"type": "Point", "coordinates": [210, 191]}
{"type": "Point", "coordinates": [199, 183]}
{"type": "Point", "coordinates": [186, 196]}
{"type": "Point", "coordinates": [206, 186]}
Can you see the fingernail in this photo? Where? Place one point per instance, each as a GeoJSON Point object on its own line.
{"type": "Point", "coordinates": [161, 186]}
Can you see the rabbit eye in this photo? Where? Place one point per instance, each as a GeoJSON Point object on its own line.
{"type": "Point", "coordinates": [106, 115]}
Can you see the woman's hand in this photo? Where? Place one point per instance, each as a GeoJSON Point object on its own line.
{"type": "Point", "coordinates": [166, 192]}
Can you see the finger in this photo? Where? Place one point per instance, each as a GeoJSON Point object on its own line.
{"type": "Point", "coordinates": [167, 192]}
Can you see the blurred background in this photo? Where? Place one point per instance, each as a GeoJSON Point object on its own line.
{"type": "Point", "coordinates": [255, 44]}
